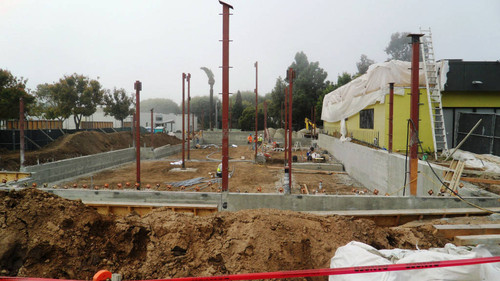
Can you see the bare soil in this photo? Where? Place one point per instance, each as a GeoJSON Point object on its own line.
{"type": "Point", "coordinates": [246, 176]}
{"type": "Point", "coordinates": [42, 235]}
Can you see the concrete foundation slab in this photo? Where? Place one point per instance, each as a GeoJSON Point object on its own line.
{"type": "Point", "coordinates": [181, 170]}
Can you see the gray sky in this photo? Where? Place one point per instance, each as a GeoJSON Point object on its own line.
{"type": "Point", "coordinates": [155, 41]}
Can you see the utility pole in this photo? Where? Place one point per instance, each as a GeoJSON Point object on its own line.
{"type": "Point", "coordinates": [138, 89]}
{"type": "Point", "coordinates": [21, 133]}
{"type": "Point", "coordinates": [225, 94]}
{"type": "Point", "coordinates": [183, 120]}
{"type": "Point", "coordinates": [414, 112]}
{"type": "Point", "coordinates": [189, 102]}
{"type": "Point", "coordinates": [256, 108]}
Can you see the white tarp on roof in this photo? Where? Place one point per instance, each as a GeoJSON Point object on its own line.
{"type": "Point", "coordinates": [360, 254]}
{"type": "Point", "coordinates": [367, 89]}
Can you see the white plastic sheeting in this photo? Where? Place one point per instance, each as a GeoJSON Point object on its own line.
{"type": "Point", "coordinates": [367, 89]}
{"type": "Point", "coordinates": [360, 254]}
{"type": "Point", "coordinates": [490, 163]}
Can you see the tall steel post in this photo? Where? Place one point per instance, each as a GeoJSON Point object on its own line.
{"type": "Point", "coordinates": [138, 88]}
{"type": "Point", "coordinates": [225, 94]}
{"type": "Point", "coordinates": [414, 112]}
{"type": "Point", "coordinates": [132, 129]}
{"type": "Point", "coordinates": [265, 121]}
{"type": "Point", "coordinates": [21, 133]}
{"type": "Point", "coordinates": [188, 102]}
{"type": "Point", "coordinates": [286, 125]}
{"type": "Point", "coordinates": [291, 76]}
{"type": "Point", "coordinates": [391, 114]}
{"type": "Point", "coordinates": [152, 129]}
{"type": "Point", "coordinates": [183, 120]}
{"type": "Point", "coordinates": [256, 108]}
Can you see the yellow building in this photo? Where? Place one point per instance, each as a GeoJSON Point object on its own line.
{"type": "Point", "coordinates": [360, 109]}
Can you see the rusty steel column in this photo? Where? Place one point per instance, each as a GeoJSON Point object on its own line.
{"type": "Point", "coordinates": [152, 128]}
{"type": "Point", "coordinates": [183, 120]}
{"type": "Point", "coordinates": [256, 108]}
{"type": "Point", "coordinates": [414, 112]}
{"type": "Point", "coordinates": [137, 88]}
{"type": "Point", "coordinates": [391, 114]}
{"type": "Point", "coordinates": [225, 94]}
{"type": "Point", "coordinates": [132, 129]}
{"type": "Point", "coordinates": [265, 121]}
{"type": "Point", "coordinates": [21, 133]}
{"type": "Point", "coordinates": [188, 116]}
{"type": "Point", "coordinates": [291, 76]}
{"type": "Point", "coordinates": [286, 125]}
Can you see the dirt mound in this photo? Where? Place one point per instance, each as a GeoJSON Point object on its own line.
{"type": "Point", "coordinates": [43, 235]}
{"type": "Point", "coordinates": [80, 144]}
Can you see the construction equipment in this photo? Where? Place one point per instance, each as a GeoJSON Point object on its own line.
{"type": "Point", "coordinates": [433, 93]}
{"type": "Point", "coordinates": [311, 127]}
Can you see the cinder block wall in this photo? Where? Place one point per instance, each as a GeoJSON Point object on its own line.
{"type": "Point", "coordinates": [376, 168]}
{"type": "Point", "coordinates": [240, 138]}
{"type": "Point", "coordinates": [59, 170]}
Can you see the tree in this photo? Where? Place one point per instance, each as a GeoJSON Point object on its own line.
{"type": "Point", "coordinates": [200, 107]}
{"type": "Point", "coordinates": [363, 64]}
{"type": "Point", "coordinates": [237, 108]}
{"type": "Point", "coordinates": [11, 89]}
{"type": "Point", "coordinates": [399, 47]}
{"type": "Point", "coordinates": [75, 95]}
{"type": "Point", "coordinates": [276, 100]}
{"type": "Point", "coordinates": [49, 105]}
{"type": "Point", "coordinates": [164, 106]}
{"type": "Point", "coordinates": [246, 121]}
{"type": "Point", "coordinates": [118, 104]}
{"type": "Point", "coordinates": [342, 79]}
{"type": "Point", "coordinates": [307, 87]}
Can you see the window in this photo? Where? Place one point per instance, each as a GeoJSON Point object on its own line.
{"type": "Point", "coordinates": [159, 118]}
{"type": "Point", "coordinates": [366, 119]}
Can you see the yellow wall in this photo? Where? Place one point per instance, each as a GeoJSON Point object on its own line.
{"type": "Point", "coordinates": [479, 99]}
{"type": "Point", "coordinates": [381, 123]}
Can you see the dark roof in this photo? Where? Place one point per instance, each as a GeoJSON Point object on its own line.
{"type": "Point", "coordinates": [477, 76]}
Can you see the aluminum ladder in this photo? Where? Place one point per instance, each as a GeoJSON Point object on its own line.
{"type": "Point", "coordinates": [433, 93]}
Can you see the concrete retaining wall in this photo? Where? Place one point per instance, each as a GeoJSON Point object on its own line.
{"type": "Point", "coordinates": [59, 170]}
{"type": "Point", "coordinates": [240, 138]}
{"type": "Point", "coordinates": [159, 152]}
{"type": "Point", "coordinates": [68, 168]}
{"type": "Point", "coordinates": [242, 201]}
{"type": "Point", "coordinates": [376, 168]}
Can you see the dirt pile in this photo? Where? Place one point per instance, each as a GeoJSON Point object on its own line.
{"type": "Point", "coordinates": [80, 144]}
{"type": "Point", "coordinates": [42, 235]}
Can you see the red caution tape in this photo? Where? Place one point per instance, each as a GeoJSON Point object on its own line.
{"type": "Point", "coordinates": [313, 272]}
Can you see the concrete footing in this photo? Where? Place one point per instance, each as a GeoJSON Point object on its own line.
{"type": "Point", "coordinates": [242, 201]}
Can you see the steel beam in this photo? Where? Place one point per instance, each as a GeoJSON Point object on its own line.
{"type": "Point", "coordinates": [225, 94]}
{"type": "Point", "coordinates": [414, 112]}
{"type": "Point", "coordinates": [138, 89]}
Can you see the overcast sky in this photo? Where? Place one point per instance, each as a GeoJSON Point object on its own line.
{"type": "Point", "coordinates": [155, 41]}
